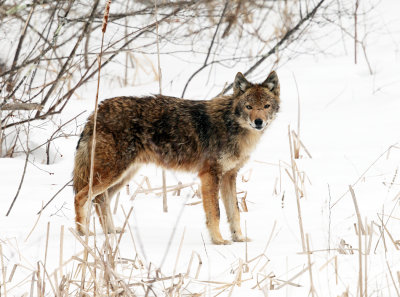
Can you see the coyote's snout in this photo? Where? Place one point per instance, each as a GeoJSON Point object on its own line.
{"type": "Point", "coordinates": [213, 138]}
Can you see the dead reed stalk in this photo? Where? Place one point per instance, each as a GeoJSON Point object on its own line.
{"type": "Point", "coordinates": [3, 272]}
{"type": "Point", "coordinates": [353, 196]}
{"type": "Point", "coordinates": [93, 149]}
{"type": "Point", "coordinates": [296, 190]}
{"type": "Point", "coordinates": [164, 178]}
{"type": "Point", "coordinates": [366, 252]}
{"type": "Point", "coordinates": [294, 277]}
{"type": "Point", "coordinates": [360, 268]}
{"type": "Point", "coordinates": [297, 139]}
{"type": "Point", "coordinates": [190, 265]}
{"type": "Point", "coordinates": [388, 233]}
{"type": "Point", "coordinates": [393, 281]}
{"type": "Point", "coordinates": [312, 287]}
{"type": "Point", "coordinates": [45, 253]}
{"type": "Point", "coordinates": [61, 251]}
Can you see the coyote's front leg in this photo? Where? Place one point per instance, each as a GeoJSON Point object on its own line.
{"type": "Point", "coordinates": [209, 190]}
{"type": "Point", "coordinates": [228, 194]}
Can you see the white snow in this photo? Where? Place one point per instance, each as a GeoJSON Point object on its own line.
{"type": "Point", "coordinates": [349, 122]}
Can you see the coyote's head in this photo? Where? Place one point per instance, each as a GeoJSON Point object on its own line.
{"type": "Point", "coordinates": [256, 104]}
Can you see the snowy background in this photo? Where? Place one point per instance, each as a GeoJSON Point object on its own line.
{"type": "Point", "coordinates": [349, 124]}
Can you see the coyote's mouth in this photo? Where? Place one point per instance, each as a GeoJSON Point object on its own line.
{"type": "Point", "coordinates": [259, 127]}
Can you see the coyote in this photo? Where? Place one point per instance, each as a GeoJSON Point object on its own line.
{"type": "Point", "coordinates": [213, 138]}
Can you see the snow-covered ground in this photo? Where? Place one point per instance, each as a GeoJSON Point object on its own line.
{"type": "Point", "coordinates": [349, 123]}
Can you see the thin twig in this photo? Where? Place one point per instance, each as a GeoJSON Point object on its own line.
{"type": "Point", "coordinates": [355, 31]}
{"type": "Point", "coordinates": [276, 47]}
{"type": "Point", "coordinates": [173, 233]}
{"type": "Point", "coordinates": [71, 55]}
{"type": "Point", "coordinates": [21, 40]}
{"type": "Point", "coordinates": [54, 196]}
{"type": "Point", "coordinates": [363, 174]}
{"type": "Point", "coordinates": [20, 183]}
{"type": "Point", "coordinates": [209, 51]}
{"type": "Point", "coordinates": [86, 76]}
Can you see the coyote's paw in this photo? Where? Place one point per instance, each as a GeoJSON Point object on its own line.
{"type": "Point", "coordinates": [84, 232]}
{"type": "Point", "coordinates": [221, 241]}
{"type": "Point", "coordinates": [240, 238]}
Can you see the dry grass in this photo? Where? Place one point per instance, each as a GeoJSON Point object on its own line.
{"type": "Point", "coordinates": [107, 272]}
{"type": "Point", "coordinates": [100, 267]}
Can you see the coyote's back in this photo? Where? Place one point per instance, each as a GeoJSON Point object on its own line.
{"type": "Point", "coordinates": [213, 138]}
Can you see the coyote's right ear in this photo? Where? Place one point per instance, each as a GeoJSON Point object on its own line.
{"type": "Point", "coordinates": [240, 85]}
{"type": "Point", "coordinates": [272, 83]}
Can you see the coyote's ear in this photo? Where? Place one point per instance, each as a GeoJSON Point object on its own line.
{"type": "Point", "coordinates": [240, 84]}
{"type": "Point", "coordinates": [272, 83]}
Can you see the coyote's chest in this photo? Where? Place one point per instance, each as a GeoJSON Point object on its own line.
{"type": "Point", "coordinates": [236, 158]}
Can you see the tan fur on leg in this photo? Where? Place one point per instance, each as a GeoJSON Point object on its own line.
{"type": "Point", "coordinates": [81, 200]}
{"type": "Point", "coordinates": [228, 194]}
{"type": "Point", "coordinates": [209, 191]}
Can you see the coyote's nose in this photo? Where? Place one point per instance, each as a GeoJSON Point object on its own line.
{"type": "Point", "coordinates": [258, 123]}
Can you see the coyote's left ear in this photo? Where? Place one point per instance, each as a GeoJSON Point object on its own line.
{"type": "Point", "coordinates": [240, 85]}
{"type": "Point", "coordinates": [272, 83]}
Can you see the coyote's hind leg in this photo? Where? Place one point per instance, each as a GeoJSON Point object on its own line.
{"type": "Point", "coordinates": [102, 207]}
{"type": "Point", "coordinates": [82, 202]}
{"type": "Point", "coordinates": [102, 201]}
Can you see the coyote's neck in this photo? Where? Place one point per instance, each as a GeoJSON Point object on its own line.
{"type": "Point", "coordinates": [245, 144]}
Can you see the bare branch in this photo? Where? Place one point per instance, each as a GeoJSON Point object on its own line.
{"type": "Point", "coordinates": [209, 51]}
{"type": "Point", "coordinates": [288, 34]}
{"type": "Point", "coordinates": [22, 106]}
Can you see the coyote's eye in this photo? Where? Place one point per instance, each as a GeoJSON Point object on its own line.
{"type": "Point", "coordinates": [249, 107]}
{"type": "Point", "coordinates": [266, 106]}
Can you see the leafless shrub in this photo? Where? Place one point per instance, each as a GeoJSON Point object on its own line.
{"type": "Point", "coordinates": [50, 48]}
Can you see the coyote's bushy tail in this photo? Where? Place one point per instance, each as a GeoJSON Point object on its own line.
{"type": "Point", "coordinates": [82, 164]}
